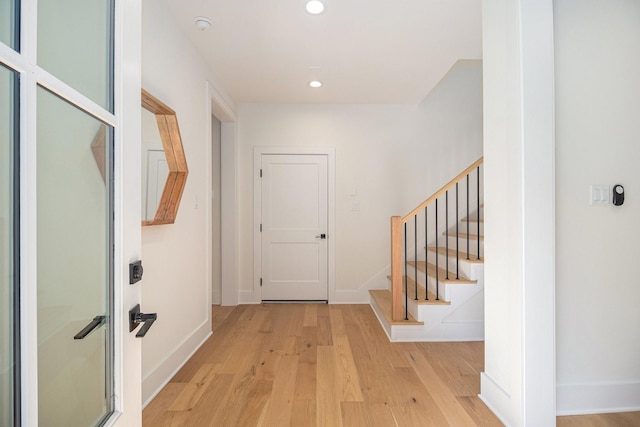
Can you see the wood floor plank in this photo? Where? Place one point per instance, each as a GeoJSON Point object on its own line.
{"type": "Point", "coordinates": [328, 410]}
{"type": "Point", "coordinates": [155, 411]}
{"type": "Point", "coordinates": [205, 409]}
{"type": "Point", "coordinates": [310, 315]}
{"type": "Point", "coordinates": [193, 391]}
{"type": "Point", "coordinates": [478, 411]}
{"type": "Point", "coordinates": [305, 388]}
{"type": "Point", "coordinates": [356, 414]}
{"type": "Point", "coordinates": [454, 413]}
{"type": "Point", "coordinates": [303, 413]}
{"type": "Point", "coordinates": [296, 320]}
{"type": "Point", "coordinates": [213, 350]}
{"type": "Point", "coordinates": [324, 336]}
{"type": "Point", "coordinates": [280, 404]}
{"type": "Point", "coordinates": [253, 411]}
{"type": "Point", "coordinates": [622, 419]}
{"type": "Point", "coordinates": [266, 367]}
{"type": "Point", "coordinates": [346, 372]}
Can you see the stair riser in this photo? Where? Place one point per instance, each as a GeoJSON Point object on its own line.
{"type": "Point", "coordinates": [432, 314]}
{"type": "Point", "coordinates": [466, 269]}
{"type": "Point", "coordinates": [473, 272]}
{"type": "Point", "coordinates": [462, 244]}
{"type": "Point", "coordinates": [442, 291]}
{"type": "Point", "coordinates": [473, 227]}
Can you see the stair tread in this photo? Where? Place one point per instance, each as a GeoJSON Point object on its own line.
{"type": "Point", "coordinates": [472, 220]}
{"type": "Point", "coordinates": [452, 254]}
{"type": "Point", "coordinates": [383, 301]}
{"type": "Point", "coordinates": [442, 273]}
{"type": "Point", "coordinates": [411, 284]}
{"type": "Point", "coordinates": [462, 235]}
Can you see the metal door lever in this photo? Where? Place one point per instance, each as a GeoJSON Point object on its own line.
{"type": "Point", "coordinates": [97, 321]}
{"type": "Point", "coordinates": [322, 236]}
{"type": "Point", "coordinates": [135, 318]}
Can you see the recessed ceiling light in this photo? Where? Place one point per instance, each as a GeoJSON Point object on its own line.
{"type": "Point", "coordinates": [315, 83]}
{"type": "Point", "coordinates": [315, 7]}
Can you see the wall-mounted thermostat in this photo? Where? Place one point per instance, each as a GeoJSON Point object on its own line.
{"type": "Point", "coordinates": [618, 195]}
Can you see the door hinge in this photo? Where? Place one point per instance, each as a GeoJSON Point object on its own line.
{"type": "Point", "coordinates": [260, 173]}
{"type": "Point", "coordinates": [261, 228]}
{"type": "Point", "coordinates": [261, 282]}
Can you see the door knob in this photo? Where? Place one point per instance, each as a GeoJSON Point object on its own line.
{"type": "Point", "coordinates": [135, 318]}
{"type": "Point", "coordinates": [322, 236]}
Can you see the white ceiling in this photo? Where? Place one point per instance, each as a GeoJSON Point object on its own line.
{"type": "Point", "coordinates": [367, 51]}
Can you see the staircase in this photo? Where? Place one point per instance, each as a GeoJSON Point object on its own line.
{"type": "Point", "coordinates": [436, 286]}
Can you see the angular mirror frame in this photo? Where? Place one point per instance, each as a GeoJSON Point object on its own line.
{"type": "Point", "coordinates": [176, 160]}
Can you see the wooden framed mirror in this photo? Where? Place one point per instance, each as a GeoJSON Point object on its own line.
{"type": "Point", "coordinates": [164, 137]}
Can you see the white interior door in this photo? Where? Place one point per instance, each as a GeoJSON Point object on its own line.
{"type": "Point", "coordinates": [294, 227]}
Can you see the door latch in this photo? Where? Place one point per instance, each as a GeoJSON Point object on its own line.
{"type": "Point", "coordinates": [135, 318]}
{"type": "Point", "coordinates": [135, 272]}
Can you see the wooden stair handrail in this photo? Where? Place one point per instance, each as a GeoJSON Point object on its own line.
{"type": "Point", "coordinates": [442, 190]}
{"type": "Point", "coordinates": [397, 306]}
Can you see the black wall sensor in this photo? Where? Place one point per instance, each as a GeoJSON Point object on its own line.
{"type": "Point", "coordinates": [618, 195]}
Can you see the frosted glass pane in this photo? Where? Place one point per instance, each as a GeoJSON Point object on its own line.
{"type": "Point", "coordinates": [7, 341]}
{"type": "Point", "coordinates": [74, 385]}
{"type": "Point", "coordinates": [8, 23]}
{"type": "Point", "coordinates": [74, 44]}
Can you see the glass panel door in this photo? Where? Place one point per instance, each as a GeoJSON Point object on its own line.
{"type": "Point", "coordinates": [9, 23]}
{"type": "Point", "coordinates": [74, 211]}
{"type": "Point", "coordinates": [8, 242]}
{"type": "Point", "coordinates": [75, 45]}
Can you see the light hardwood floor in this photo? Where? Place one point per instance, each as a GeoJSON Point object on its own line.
{"type": "Point", "coordinates": [326, 365]}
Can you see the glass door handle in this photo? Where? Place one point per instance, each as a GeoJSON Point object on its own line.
{"type": "Point", "coordinates": [95, 323]}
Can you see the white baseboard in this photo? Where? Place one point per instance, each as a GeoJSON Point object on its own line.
{"type": "Point", "coordinates": [495, 397]}
{"type": "Point", "coordinates": [155, 380]}
{"type": "Point", "coordinates": [355, 296]}
{"type": "Point", "coordinates": [597, 398]}
{"type": "Point", "coordinates": [247, 297]}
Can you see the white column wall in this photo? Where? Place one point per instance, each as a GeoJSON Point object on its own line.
{"type": "Point", "coordinates": [519, 378]}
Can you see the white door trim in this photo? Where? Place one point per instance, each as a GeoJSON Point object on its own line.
{"type": "Point", "coordinates": [330, 152]}
{"type": "Point", "coordinates": [217, 106]}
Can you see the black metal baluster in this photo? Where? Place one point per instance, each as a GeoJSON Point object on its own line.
{"type": "Point", "coordinates": [446, 232]}
{"type": "Point", "coordinates": [406, 299]}
{"type": "Point", "coordinates": [415, 251]}
{"type": "Point", "coordinates": [478, 202]}
{"type": "Point", "coordinates": [457, 237]}
{"type": "Point", "coordinates": [437, 254]}
{"type": "Point", "coordinates": [426, 257]}
{"type": "Point", "coordinates": [468, 218]}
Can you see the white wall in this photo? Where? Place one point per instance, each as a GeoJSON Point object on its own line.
{"type": "Point", "coordinates": [598, 126]}
{"type": "Point", "coordinates": [175, 258]}
{"type": "Point", "coordinates": [394, 156]}
{"type": "Point", "coordinates": [519, 378]}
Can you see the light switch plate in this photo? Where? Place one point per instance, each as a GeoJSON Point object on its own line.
{"type": "Point", "coordinates": [599, 195]}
